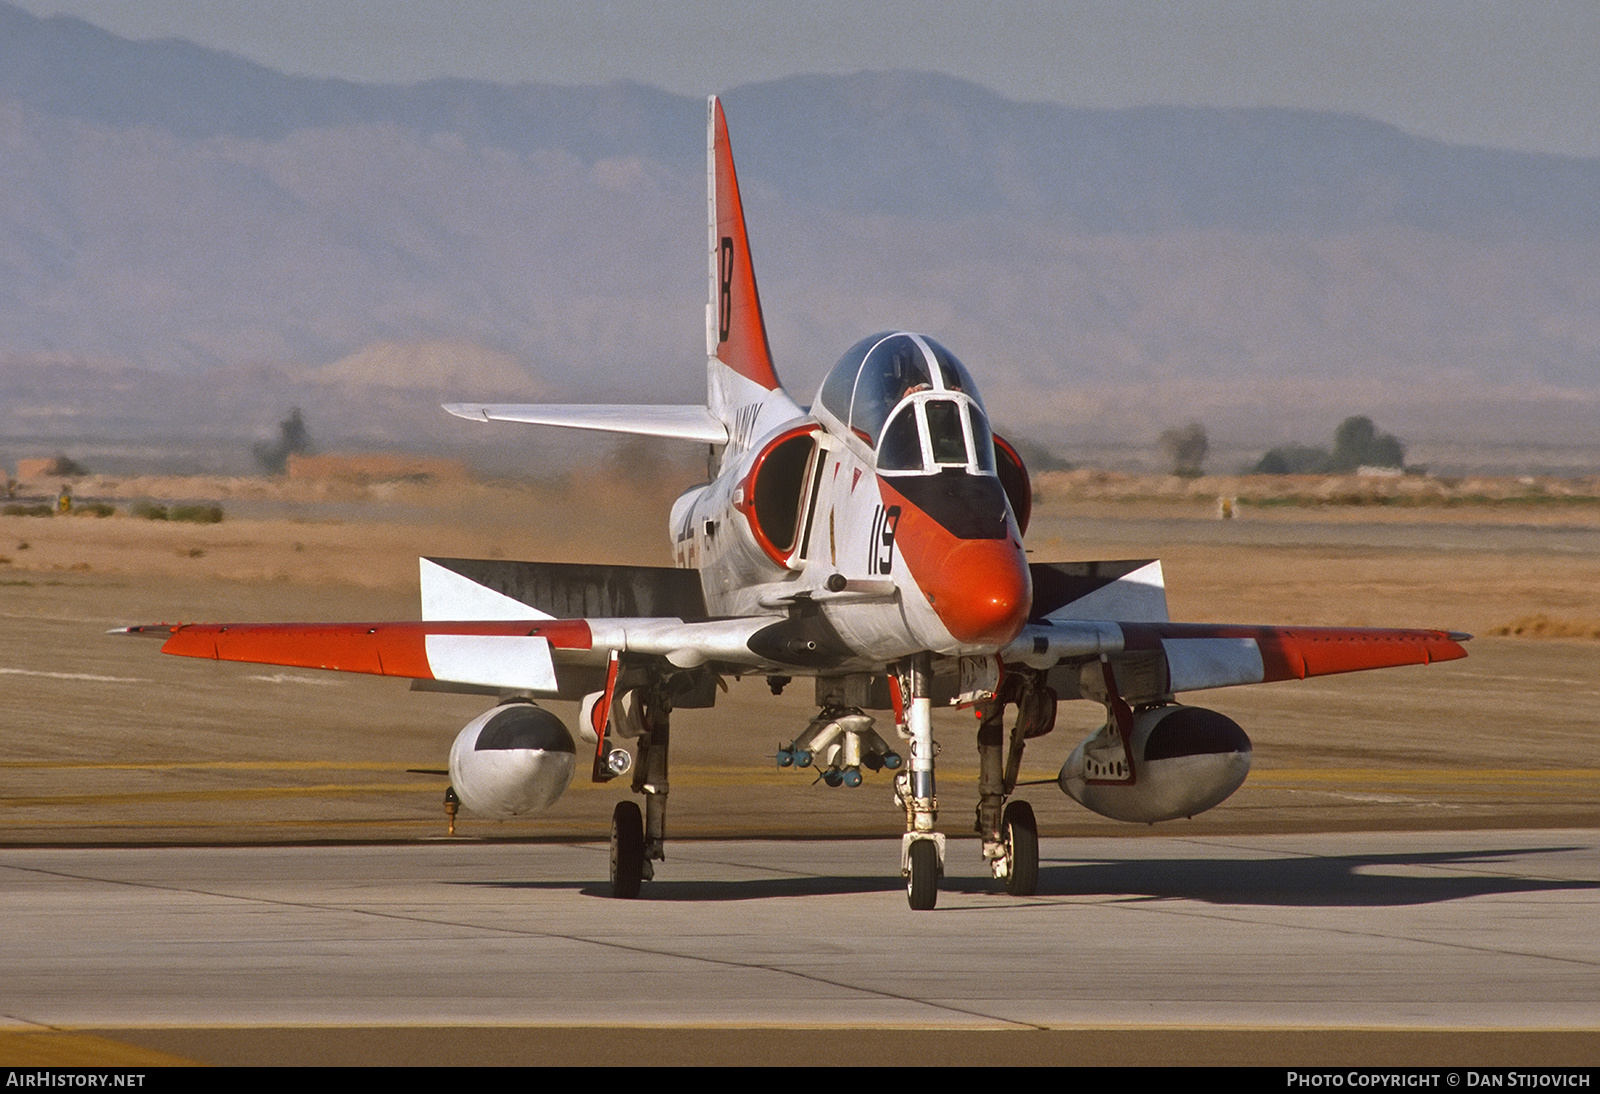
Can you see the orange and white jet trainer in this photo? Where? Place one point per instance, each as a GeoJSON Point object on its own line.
{"type": "Point", "coordinates": [871, 542]}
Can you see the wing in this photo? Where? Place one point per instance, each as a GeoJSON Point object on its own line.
{"type": "Point", "coordinates": [557, 657]}
{"type": "Point", "coordinates": [495, 625]}
{"type": "Point", "coordinates": [543, 627]}
{"type": "Point", "coordinates": [1118, 610]}
{"type": "Point", "coordinates": [1195, 656]}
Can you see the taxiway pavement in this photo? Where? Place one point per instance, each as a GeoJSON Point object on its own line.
{"type": "Point", "coordinates": [1480, 934]}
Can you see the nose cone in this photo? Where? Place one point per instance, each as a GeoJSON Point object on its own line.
{"type": "Point", "coordinates": [981, 590]}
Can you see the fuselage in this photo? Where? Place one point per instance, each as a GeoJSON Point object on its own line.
{"type": "Point", "coordinates": [876, 515]}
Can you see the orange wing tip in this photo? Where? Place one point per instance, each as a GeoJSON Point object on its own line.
{"type": "Point", "coordinates": [1300, 653]}
{"type": "Point", "coordinates": [1450, 648]}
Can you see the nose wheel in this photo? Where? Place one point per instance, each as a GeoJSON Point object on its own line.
{"type": "Point", "coordinates": [922, 875]}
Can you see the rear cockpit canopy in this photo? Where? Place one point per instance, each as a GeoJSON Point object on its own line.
{"type": "Point", "coordinates": [908, 398]}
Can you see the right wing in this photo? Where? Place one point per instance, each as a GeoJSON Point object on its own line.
{"type": "Point", "coordinates": [532, 655]}
{"type": "Point", "coordinates": [544, 627]}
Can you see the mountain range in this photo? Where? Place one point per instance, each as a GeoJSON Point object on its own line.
{"type": "Point", "coordinates": [190, 243]}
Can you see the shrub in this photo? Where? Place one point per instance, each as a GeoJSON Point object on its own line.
{"type": "Point", "coordinates": [189, 514]}
{"type": "Point", "coordinates": [198, 514]}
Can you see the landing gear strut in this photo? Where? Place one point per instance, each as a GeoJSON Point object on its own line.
{"type": "Point", "coordinates": [1010, 833]}
{"type": "Point", "coordinates": [922, 858]}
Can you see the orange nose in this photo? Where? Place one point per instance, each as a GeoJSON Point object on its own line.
{"type": "Point", "coordinates": [981, 590]}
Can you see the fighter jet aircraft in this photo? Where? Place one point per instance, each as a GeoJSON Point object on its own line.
{"type": "Point", "coordinates": [873, 543]}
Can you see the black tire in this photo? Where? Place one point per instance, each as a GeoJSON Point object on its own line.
{"type": "Point", "coordinates": [627, 850]}
{"type": "Point", "coordinates": [1022, 849]}
{"type": "Point", "coordinates": [922, 883]}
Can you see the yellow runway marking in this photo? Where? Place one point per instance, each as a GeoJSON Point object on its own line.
{"type": "Point", "coordinates": [53, 1048]}
{"type": "Point", "coordinates": [212, 765]}
{"type": "Point", "coordinates": [1369, 776]}
{"type": "Point", "coordinates": [254, 793]}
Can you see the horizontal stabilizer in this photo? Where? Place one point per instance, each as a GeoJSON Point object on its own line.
{"type": "Point", "coordinates": [687, 423]}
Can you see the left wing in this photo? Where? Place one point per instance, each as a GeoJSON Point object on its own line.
{"type": "Point", "coordinates": [1195, 656]}
{"type": "Point", "coordinates": [1118, 611]}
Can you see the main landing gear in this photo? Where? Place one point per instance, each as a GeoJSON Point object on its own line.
{"type": "Point", "coordinates": [639, 840]}
{"type": "Point", "coordinates": [1010, 833]}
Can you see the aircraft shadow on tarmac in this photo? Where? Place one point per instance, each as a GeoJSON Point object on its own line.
{"type": "Point", "coordinates": [715, 890]}
{"type": "Point", "coordinates": [1373, 880]}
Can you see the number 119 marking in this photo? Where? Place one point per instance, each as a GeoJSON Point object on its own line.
{"type": "Point", "coordinates": [880, 549]}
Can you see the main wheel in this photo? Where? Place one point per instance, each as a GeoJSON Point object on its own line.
{"type": "Point", "coordinates": [627, 850]}
{"type": "Point", "coordinates": [1022, 849]}
{"type": "Point", "coordinates": [922, 883]}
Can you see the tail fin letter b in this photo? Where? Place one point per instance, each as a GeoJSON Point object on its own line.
{"type": "Point", "coordinates": [736, 334]}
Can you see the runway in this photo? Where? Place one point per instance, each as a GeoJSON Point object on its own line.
{"type": "Point", "coordinates": [1410, 943]}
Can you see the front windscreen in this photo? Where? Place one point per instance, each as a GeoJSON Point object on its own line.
{"type": "Point", "coordinates": [901, 449]}
{"type": "Point", "coordinates": [948, 439]}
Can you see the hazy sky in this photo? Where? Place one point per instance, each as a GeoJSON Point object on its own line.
{"type": "Point", "coordinates": [1509, 73]}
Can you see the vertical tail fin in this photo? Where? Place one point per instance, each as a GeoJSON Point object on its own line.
{"type": "Point", "coordinates": [739, 370]}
